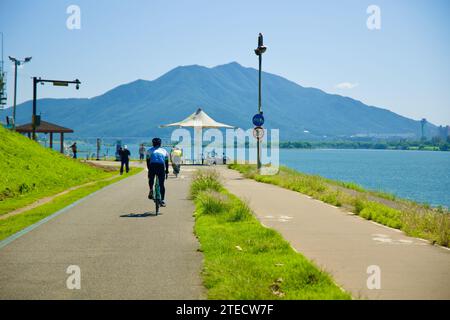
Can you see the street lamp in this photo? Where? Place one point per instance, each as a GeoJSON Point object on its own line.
{"type": "Point", "coordinates": [259, 52]}
{"type": "Point", "coordinates": [17, 62]}
{"type": "Point", "coordinates": [59, 83]}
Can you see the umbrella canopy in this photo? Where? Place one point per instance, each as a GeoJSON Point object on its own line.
{"type": "Point", "coordinates": [198, 119]}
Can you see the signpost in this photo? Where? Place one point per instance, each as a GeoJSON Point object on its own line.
{"type": "Point", "coordinates": [258, 119]}
{"type": "Point", "coordinates": [258, 133]}
{"type": "Point", "coordinates": [61, 83]}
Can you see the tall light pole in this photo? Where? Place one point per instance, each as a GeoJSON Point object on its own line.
{"type": "Point", "coordinates": [17, 62]}
{"type": "Point", "coordinates": [259, 52]}
{"type": "Point", "coordinates": [2, 79]}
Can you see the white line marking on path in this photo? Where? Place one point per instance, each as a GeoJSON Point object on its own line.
{"type": "Point", "coordinates": [22, 232]}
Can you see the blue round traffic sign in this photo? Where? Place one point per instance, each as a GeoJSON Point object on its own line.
{"type": "Point", "coordinates": [258, 120]}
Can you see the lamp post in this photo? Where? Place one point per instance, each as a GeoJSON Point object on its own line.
{"type": "Point", "coordinates": [59, 83]}
{"type": "Point", "coordinates": [259, 52]}
{"type": "Point", "coordinates": [17, 62]}
{"type": "Point", "coordinates": [2, 79]}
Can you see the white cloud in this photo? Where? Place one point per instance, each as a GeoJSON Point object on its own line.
{"type": "Point", "coordinates": [346, 85]}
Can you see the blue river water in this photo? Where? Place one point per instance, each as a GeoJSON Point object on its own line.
{"type": "Point", "coordinates": [422, 176]}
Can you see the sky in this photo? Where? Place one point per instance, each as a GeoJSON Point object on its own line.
{"type": "Point", "coordinates": [403, 66]}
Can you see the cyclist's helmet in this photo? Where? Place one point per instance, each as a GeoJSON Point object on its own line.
{"type": "Point", "coordinates": [156, 142]}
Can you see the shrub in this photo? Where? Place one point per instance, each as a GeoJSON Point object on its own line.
{"type": "Point", "coordinates": [212, 202]}
{"type": "Point", "coordinates": [239, 212]}
{"type": "Point", "coordinates": [205, 180]}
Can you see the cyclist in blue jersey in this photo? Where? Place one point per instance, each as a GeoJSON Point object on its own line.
{"type": "Point", "coordinates": [158, 165]}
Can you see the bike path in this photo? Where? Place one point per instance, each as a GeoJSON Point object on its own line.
{"type": "Point", "coordinates": [346, 245]}
{"type": "Point", "coordinates": [122, 249]}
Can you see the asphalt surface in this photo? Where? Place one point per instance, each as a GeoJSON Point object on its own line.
{"type": "Point", "coordinates": [346, 245]}
{"type": "Point", "coordinates": [122, 249]}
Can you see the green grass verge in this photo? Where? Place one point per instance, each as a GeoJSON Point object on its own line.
{"type": "Point", "coordinates": [13, 224]}
{"type": "Point", "coordinates": [414, 219]}
{"type": "Point", "coordinates": [30, 172]}
{"type": "Point", "coordinates": [243, 259]}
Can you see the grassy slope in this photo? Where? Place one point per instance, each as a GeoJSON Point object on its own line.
{"type": "Point", "coordinates": [14, 224]}
{"type": "Point", "coordinates": [243, 259]}
{"type": "Point", "coordinates": [414, 219]}
{"type": "Point", "coordinates": [29, 171]}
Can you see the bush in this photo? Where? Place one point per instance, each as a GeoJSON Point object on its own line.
{"type": "Point", "coordinates": [240, 211]}
{"type": "Point", "coordinates": [381, 214]}
{"type": "Point", "coordinates": [205, 180]}
{"type": "Point", "coordinates": [212, 202]}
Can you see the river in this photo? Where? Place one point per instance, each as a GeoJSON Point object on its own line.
{"type": "Point", "coordinates": [422, 176]}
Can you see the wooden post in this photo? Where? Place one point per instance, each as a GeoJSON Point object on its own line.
{"type": "Point", "coordinates": [51, 140]}
{"type": "Point", "coordinates": [62, 142]}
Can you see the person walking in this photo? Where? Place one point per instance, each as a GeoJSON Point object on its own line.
{"type": "Point", "coordinates": [124, 159]}
{"type": "Point", "coordinates": [141, 152]}
{"type": "Point", "coordinates": [74, 149]}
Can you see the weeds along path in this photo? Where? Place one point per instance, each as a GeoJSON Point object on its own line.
{"type": "Point", "coordinates": [367, 259]}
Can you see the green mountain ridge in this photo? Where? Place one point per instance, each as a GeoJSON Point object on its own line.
{"type": "Point", "coordinates": [228, 93]}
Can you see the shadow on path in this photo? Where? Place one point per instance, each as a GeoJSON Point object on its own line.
{"type": "Point", "coordinates": [138, 215]}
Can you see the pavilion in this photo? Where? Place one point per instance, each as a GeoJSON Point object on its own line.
{"type": "Point", "coordinates": [198, 120]}
{"type": "Point", "coordinates": [46, 127]}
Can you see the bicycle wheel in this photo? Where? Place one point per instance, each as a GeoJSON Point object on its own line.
{"type": "Point", "coordinates": [156, 206]}
{"type": "Point", "coordinates": [157, 196]}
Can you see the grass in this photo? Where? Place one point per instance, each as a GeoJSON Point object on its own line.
{"type": "Point", "coordinates": [243, 259]}
{"type": "Point", "coordinates": [414, 219]}
{"type": "Point", "coordinates": [30, 172]}
{"type": "Point", "coordinates": [14, 224]}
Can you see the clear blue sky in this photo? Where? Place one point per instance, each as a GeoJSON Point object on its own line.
{"type": "Point", "coordinates": [404, 66]}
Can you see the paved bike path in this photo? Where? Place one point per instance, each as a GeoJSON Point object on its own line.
{"type": "Point", "coordinates": [122, 249]}
{"type": "Point", "coordinates": [345, 245]}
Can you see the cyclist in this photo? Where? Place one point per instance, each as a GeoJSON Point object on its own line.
{"type": "Point", "coordinates": [158, 165]}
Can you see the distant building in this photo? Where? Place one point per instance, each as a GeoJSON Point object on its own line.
{"type": "Point", "coordinates": [423, 122]}
{"type": "Point", "coordinates": [444, 132]}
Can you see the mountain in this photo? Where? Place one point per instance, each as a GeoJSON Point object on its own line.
{"type": "Point", "coordinates": [228, 93]}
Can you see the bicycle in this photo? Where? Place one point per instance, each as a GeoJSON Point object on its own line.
{"type": "Point", "coordinates": [176, 168]}
{"type": "Point", "coordinates": [157, 195]}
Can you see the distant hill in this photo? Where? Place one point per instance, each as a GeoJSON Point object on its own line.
{"type": "Point", "coordinates": [228, 93]}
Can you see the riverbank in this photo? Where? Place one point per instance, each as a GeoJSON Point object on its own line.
{"type": "Point", "coordinates": [436, 144]}
{"type": "Point", "coordinates": [414, 219]}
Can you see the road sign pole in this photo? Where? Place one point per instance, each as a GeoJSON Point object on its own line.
{"type": "Point", "coordinates": [258, 142]}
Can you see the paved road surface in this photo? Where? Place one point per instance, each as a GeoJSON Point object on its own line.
{"type": "Point", "coordinates": [123, 251]}
{"type": "Point", "coordinates": [346, 245]}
